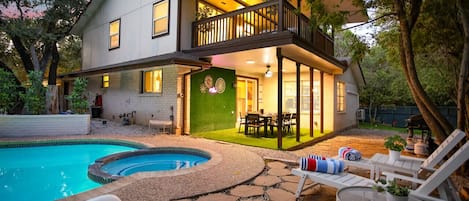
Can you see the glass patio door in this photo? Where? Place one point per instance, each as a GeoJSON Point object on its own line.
{"type": "Point", "coordinates": [246, 95]}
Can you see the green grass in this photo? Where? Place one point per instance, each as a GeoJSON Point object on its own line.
{"type": "Point", "coordinates": [270, 142]}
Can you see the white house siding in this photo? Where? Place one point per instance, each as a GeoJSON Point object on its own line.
{"type": "Point", "coordinates": [123, 95]}
{"type": "Point", "coordinates": [348, 118]}
{"type": "Point", "coordinates": [136, 40]}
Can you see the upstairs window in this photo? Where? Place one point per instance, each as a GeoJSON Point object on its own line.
{"type": "Point", "coordinates": [340, 97]}
{"type": "Point", "coordinates": [114, 34]}
{"type": "Point", "coordinates": [160, 18]}
{"type": "Point", "coordinates": [153, 81]}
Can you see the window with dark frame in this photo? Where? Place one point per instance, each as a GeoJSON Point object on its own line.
{"type": "Point", "coordinates": [114, 34]}
{"type": "Point", "coordinates": [105, 83]}
{"type": "Point", "coordinates": [152, 81]}
{"type": "Point", "coordinates": [340, 97]}
{"type": "Point", "coordinates": [160, 18]}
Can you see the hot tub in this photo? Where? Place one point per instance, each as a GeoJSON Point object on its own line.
{"type": "Point", "coordinates": [113, 167]}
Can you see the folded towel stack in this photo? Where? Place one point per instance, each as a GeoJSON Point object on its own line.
{"type": "Point", "coordinates": [347, 153]}
{"type": "Point", "coordinates": [316, 164]}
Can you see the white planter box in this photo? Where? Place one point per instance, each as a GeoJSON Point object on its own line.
{"type": "Point", "coordinates": [44, 125]}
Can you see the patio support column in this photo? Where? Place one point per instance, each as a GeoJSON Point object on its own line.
{"type": "Point", "coordinates": [311, 100]}
{"type": "Point", "coordinates": [298, 101]}
{"type": "Point", "coordinates": [279, 97]}
{"type": "Point", "coordinates": [321, 127]}
{"type": "Point", "coordinates": [280, 16]}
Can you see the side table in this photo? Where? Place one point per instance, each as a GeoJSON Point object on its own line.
{"type": "Point", "coordinates": [359, 193]}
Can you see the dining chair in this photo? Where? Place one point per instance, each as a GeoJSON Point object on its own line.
{"type": "Point", "coordinates": [242, 121]}
{"type": "Point", "coordinates": [292, 121]}
{"type": "Point", "coordinates": [253, 122]}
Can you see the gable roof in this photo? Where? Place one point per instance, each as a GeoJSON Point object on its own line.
{"type": "Point", "coordinates": [90, 11]}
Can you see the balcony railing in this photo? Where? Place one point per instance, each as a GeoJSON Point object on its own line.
{"type": "Point", "coordinates": [256, 20]}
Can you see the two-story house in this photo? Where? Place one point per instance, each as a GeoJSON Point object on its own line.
{"type": "Point", "coordinates": [201, 63]}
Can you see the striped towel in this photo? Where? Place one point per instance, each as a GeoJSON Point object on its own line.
{"type": "Point", "coordinates": [330, 166]}
{"type": "Point", "coordinates": [347, 153]}
{"type": "Point", "coordinates": [317, 157]}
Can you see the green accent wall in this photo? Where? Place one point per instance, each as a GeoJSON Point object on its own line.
{"type": "Point", "coordinates": [212, 111]}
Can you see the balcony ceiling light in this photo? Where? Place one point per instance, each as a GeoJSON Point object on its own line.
{"type": "Point", "coordinates": [250, 62]}
{"type": "Point", "coordinates": [268, 73]}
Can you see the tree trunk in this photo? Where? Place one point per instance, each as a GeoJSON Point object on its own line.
{"type": "Point", "coordinates": [22, 51]}
{"type": "Point", "coordinates": [52, 103]}
{"type": "Point", "coordinates": [462, 91]}
{"type": "Point", "coordinates": [434, 119]}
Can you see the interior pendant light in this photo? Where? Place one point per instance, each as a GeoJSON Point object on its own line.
{"type": "Point", "coordinates": [268, 73]}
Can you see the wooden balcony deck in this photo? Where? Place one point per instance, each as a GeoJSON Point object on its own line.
{"type": "Point", "coordinates": [257, 20]}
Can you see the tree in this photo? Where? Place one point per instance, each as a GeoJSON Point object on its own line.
{"type": "Point", "coordinates": [35, 28]}
{"type": "Point", "coordinates": [34, 98]}
{"type": "Point", "coordinates": [8, 91]}
{"type": "Point", "coordinates": [77, 98]}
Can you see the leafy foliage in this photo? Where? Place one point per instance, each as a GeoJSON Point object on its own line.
{"type": "Point", "coordinates": [391, 187]}
{"type": "Point", "coordinates": [395, 143]}
{"type": "Point", "coordinates": [35, 96]}
{"type": "Point", "coordinates": [78, 98]}
{"type": "Point", "coordinates": [8, 91]}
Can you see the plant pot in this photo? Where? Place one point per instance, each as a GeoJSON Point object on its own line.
{"type": "Point", "coordinates": [391, 197]}
{"type": "Point", "coordinates": [394, 155]}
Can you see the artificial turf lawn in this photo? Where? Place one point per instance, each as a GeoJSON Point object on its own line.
{"type": "Point", "coordinates": [232, 135]}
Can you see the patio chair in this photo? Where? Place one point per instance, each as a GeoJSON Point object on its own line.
{"type": "Point", "coordinates": [253, 122]}
{"type": "Point", "coordinates": [439, 180]}
{"type": "Point", "coordinates": [439, 154]}
{"type": "Point", "coordinates": [292, 122]}
{"type": "Point", "coordinates": [286, 117]}
{"type": "Point", "coordinates": [338, 181]}
{"type": "Point", "coordinates": [242, 120]}
{"type": "Point", "coordinates": [348, 179]}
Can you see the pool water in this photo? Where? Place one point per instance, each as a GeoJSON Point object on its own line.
{"type": "Point", "coordinates": [153, 162]}
{"type": "Point", "coordinates": [49, 172]}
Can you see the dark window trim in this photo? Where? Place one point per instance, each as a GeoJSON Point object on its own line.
{"type": "Point", "coordinates": [152, 20]}
{"type": "Point", "coordinates": [109, 40]}
{"type": "Point", "coordinates": [142, 81]}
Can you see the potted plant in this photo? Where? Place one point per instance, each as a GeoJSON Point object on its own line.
{"type": "Point", "coordinates": [395, 144]}
{"type": "Point", "coordinates": [394, 192]}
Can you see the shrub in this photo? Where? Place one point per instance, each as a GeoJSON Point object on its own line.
{"type": "Point", "coordinates": [8, 91]}
{"type": "Point", "coordinates": [78, 99]}
{"type": "Point", "coordinates": [35, 96]}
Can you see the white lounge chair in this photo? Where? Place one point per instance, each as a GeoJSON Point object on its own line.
{"type": "Point", "coordinates": [341, 180]}
{"type": "Point", "coordinates": [425, 164]}
{"type": "Point", "coordinates": [346, 179]}
{"type": "Point", "coordinates": [438, 180]}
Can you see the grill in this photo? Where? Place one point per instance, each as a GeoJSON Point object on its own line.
{"type": "Point", "coordinates": [416, 122]}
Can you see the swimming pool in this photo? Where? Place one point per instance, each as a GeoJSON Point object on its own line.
{"type": "Point", "coordinates": [50, 172]}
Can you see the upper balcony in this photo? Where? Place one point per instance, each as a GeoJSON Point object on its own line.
{"type": "Point", "coordinates": [257, 20]}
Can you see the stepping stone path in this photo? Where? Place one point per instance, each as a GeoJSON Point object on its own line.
{"type": "Point", "coordinates": [276, 183]}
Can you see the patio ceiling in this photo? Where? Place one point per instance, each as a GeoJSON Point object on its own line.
{"type": "Point", "coordinates": [255, 61]}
